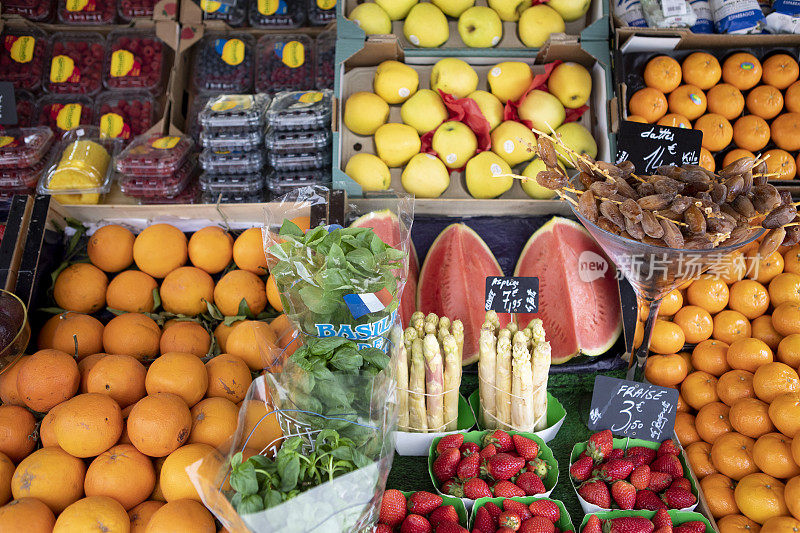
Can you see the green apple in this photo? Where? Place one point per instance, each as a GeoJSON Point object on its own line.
{"type": "Point", "coordinates": [372, 19]}
{"type": "Point", "coordinates": [397, 9]}
{"type": "Point", "coordinates": [513, 142]}
{"type": "Point", "coordinates": [424, 111]}
{"type": "Point", "coordinates": [509, 80]}
{"type": "Point", "coordinates": [369, 171]}
{"type": "Point", "coordinates": [365, 112]}
{"type": "Point", "coordinates": [426, 26]}
{"type": "Point", "coordinates": [487, 176]}
{"type": "Point", "coordinates": [396, 143]}
{"type": "Point", "coordinates": [490, 106]}
{"type": "Point", "coordinates": [455, 143]}
{"type": "Point", "coordinates": [537, 23]}
{"type": "Point", "coordinates": [571, 83]}
{"type": "Point", "coordinates": [543, 110]}
{"type": "Point", "coordinates": [395, 82]}
{"type": "Point", "coordinates": [531, 187]}
{"type": "Point", "coordinates": [510, 10]}
{"type": "Point", "coordinates": [480, 27]}
{"type": "Point", "coordinates": [453, 8]}
{"type": "Point", "coordinates": [425, 176]}
{"type": "Point", "coordinates": [454, 76]}
{"type": "Point", "coordinates": [578, 139]}
{"type": "Point", "coordinates": [570, 9]}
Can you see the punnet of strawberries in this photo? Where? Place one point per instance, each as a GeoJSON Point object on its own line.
{"type": "Point", "coordinates": [509, 515]}
{"type": "Point", "coordinates": [421, 512]}
{"type": "Point", "coordinates": [637, 478]}
{"type": "Point", "coordinates": [661, 522]}
{"type": "Point", "coordinates": [502, 465]}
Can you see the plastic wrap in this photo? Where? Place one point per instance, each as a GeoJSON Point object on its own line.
{"type": "Point", "coordinates": [630, 13]}
{"type": "Point", "coordinates": [301, 110]}
{"type": "Point", "coordinates": [785, 7]}
{"type": "Point", "coordinates": [669, 13]}
{"type": "Point", "coordinates": [276, 14]}
{"type": "Point", "coordinates": [737, 16]}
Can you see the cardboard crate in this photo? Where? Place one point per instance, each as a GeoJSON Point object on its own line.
{"type": "Point", "coordinates": [684, 39]}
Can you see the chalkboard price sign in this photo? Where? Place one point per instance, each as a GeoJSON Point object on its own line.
{"type": "Point", "coordinates": [512, 294]}
{"type": "Point", "coordinates": [648, 146]}
{"type": "Point", "coordinates": [634, 409]}
{"type": "Point", "coordinates": [8, 104]}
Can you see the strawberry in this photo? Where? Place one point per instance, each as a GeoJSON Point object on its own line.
{"type": "Point", "coordinates": [393, 508]}
{"type": "Point", "coordinates": [669, 464]}
{"type": "Point", "coordinates": [449, 441]}
{"type": "Point", "coordinates": [527, 448]}
{"type": "Point", "coordinates": [640, 477]}
{"type": "Point", "coordinates": [383, 528]}
{"type": "Point", "coordinates": [695, 526]}
{"type": "Point", "coordinates": [647, 500]}
{"type": "Point", "coordinates": [581, 469]}
{"type": "Point", "coordinates": [422, 502]}
{"type": "Point", "coordinates": [595, 492]}
{"type": "Point", "coordinates": [600, 445]}
{"type": "Point", "coordinates": [659, 481]}
{"type": "Point", "coordinates": [520, 508]}
{"type": "Point", "coordinates": [662, 519]}
{"type": "Point", "coordinates": [668, 447]}
{"type": "Point", "coordinates": [493, 509]}
{"type": "Point", "coordinates": [452, 487]}
{"type": "Point", "coordinates": [469, 467]}
{"type": "Point", "coordinates": [501, 440]}
{"type": "Point", "coordinates": [415, 523]}
{"type": "Point", "coordinates": [629, 524]}
{"type": "Point", "coordinates": [593, 525]}
{"type": "Point", "coordinates": [444, 466]}
{"type": "Point", "coordinates": [648, 453]}
{"type": "Point", "coordinates": [510, 519]}
{"type": "Point", "coordinates": [484, 522]}
{"type": "Point", "coordinates": [504, 530]}
{"type": "Point", "coordinates": [614, 470]}
{"type": "Point", "coordinates": [469, 448]}
{"type": "Point", "coordinates": [450, 527]}
{"type": "Point", "coordinates": [678, 498]}
{"type": "Point", "coordinates": [477, 488]}
{"type": "Point", "coordinates": [537, 524]}
{"type": "Point", "coordinates": [502, 466]}
{"type": "Point", "coordinates": [530, 483]}
{"type": "Point", "coordinates": [616, 453]}
{"type": "Point", "coordinates": [547, 509]}
{"type": "Point", "coordinates": [539, 466]}
{"type": "Point", "coordinates": [506, 489]}
{"type": "Point", "coordinates": [488, 451]}
{"type": "Point", "coordinates": [682, 483]}
{"type": "Point", "coordinates": [663, 529]}
{"type": "Point", "coordinates": [624, 494]}
{"type": "Point", "coordinates": [445, 513]}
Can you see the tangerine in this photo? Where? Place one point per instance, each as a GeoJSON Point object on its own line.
{"type": "Point", "coordinates": [699, 456]}
{"type": "Point", "coordinates": [701, 69]}
{"type": "Point", "coordinates": [665, 370]}
{"type": "Point", "coordinates": [791, 260]}
{"type": "Point", "coordinates": [763, 269]}
{"type": "Point", "coordinates": [712, 421]}
{"type": "Point", "coordinates": [784, 411]}
{"type": "Point", "coordinates": [685, 429]}
{"type": "Point", "coordinates": [781, 524]}
{"type": "Point", "coordinates": [699, 389]}
{"type": "Point", "coordinates": [748, 354]}
{"type": "Point", "coordinates": [750, 298]}
{"type": "Point", "coordinates": [648, 103]}
{"type": "Point", "coordinates": [709, 293]}
{"type": "Point", "coordinates": [792, 494]}
{"type": "Point", "coordinates": [718, 490]}
{"type": "Point", "coordinates": [711, 356]}
{"type": "Point", "coordinates": [45, 337]}
{"type": "Point", "coordinates": [688, 100]}
{"type": "Point", "coordinates": [785, 287]}
{"type": "Point", "coordinates": [786, 131]}
{"type": "Point", "coordinates": [6, 473]}
{"type": "Point", "coordinates": [81, 288]}
{"type": "Point", "coordinates": [742, 70]}
{"type": "Point", "coordinates": [707, 160]}
{"type": "Point", "coordinates": [670, 304]}
{"type": "Point", "coordinates": [774, 379]}
{"type": "Point", "coordinates": [662, 73]}
{"type": "Point", "coordinates": [732, 267]}
{"type": "Point", "coordinates": [110, 248]}
{"type": "Point", "coordinates": [780, 70]}
{"type": "Point", "coordinates": [732, 455]}
{"type": "Point", "coordinates": [159, 249]}
{"type": "Point", "coordinates": [636, 118]}
{"type": "Point", "coordinates": [737, 523]}
{"type": "Point", "coordinates": [717, 131]}
{"type": "Point", "coordinates": [730, 326]}
{"type": "Point", "coordinates": [85, 366]}
{"type": "Point", "coordinates": [789, 350]}
{"type": "Point", "coordinates": [735, 155]}
{"type": "Point", "coordinates": [675, 120]}
{"type": "Point", "coordinates": [696, 323]}
{"type": "Point", "coordinates": [773, 455]}
{"type": "Point", "coordinates": [132, 291]}
{"type": "Point", "coordinates": [726, 100]}
{"type": "Point", "coordinates": [763, 331]}
{"type": "Point", "coordinates": [262, 427]}
{"type": "Point", "coordinates": [668, 337]}
{"type": "Point", "coordinates": [765, 101]}
{"type": "Point", "coordinates": [750, 417]}
{"type": "Point", "coordinates": [751, 132]}
{"type": "Point", "coordinates": [760, 497]}
{"type": "Point", "coordinates": [786, 318]}
{"type": "Point", "coordinates": [211, 249]}
{"type": "Point", "coordinates": [791, 98]}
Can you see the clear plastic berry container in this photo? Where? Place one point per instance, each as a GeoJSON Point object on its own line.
{"type": "Point", "coordinates": [26, 108]}
{"type": "Point", "coordinates": [231, 140]}
{"type": "Point", "coordinates": [232, 198]}
{"type": "Point", "coordinates": [304, 161]}
{"type": "Point", "coordinates": [75, 63]}
{"type": "Point", "coordinates": [197, 105]}
{"type": "Point", "coordinates": [131, 9]}
{"type": "Point", "coordinates": [276, 14]}
{"type": "Point", "coordinates": [291, 142]}
{"type": "Point", "coordinates": [232, 162]}
{"type": "Point", "coordinates": [167, 186]}
{"type": "Point", "coordinates": [22, 57]}
{"type": "Point", "coordinates": [154, 155]}
{"type": "Point", "coordinates": [231, 12]}
{"type": "Point", "coordinates": [321, 12]}
{"type": "Point", "coordinates": [189, 195]}
{"type": "Point", "coordinates": [240, 184]}
{"type": "Point", "coordinates": [125, 114]}
{"type": "Point", "coordinates": [326, 59]}
{"type": "Point", "coordinates": [22, 180]}
{"type": "Point", "coordinates": [83, 12]}
{"type": "Point", "coordinates": [64, 112]}
{"type": "Point", "coordinates": [34, 10]}
{"type": "Point", "coordinates": [24, 147]}
{"type": "Point", "coordinates": [300, 110]}
{"type": "Point", "coordinates": [241, 111]}
{"type": "Point", "coordinates": [284, 63]}
{"type": "Point", "coordinates": [280, 183]}
{"type": "Point", "coordinates": [135, 60]}
{"type": "Point", "coordinates": [224, 63]}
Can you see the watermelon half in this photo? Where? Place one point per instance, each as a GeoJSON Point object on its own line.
{"type": "Point", "coordinates": [579, 316]}
{"type": "Point", "coordinates": [386, 225]}
{"type": "Point", "coordinates": [453, 279]}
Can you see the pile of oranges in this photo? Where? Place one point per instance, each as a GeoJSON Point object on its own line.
{"type": "Point", "coordinates": [98, 426]}
{"type": "Point", "coordinates": [739, 404]}
{"type": "Point", "coordinates": [756, 106]}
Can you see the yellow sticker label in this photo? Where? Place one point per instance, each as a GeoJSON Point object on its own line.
{"type": "Point", "coordinates": [21, 48]}
{"type": "Point", "coordinates": [210, 6]}
{"type": "Point", "coordinates": [293, 54]}
{"type": "Point", "coordinates": [62, 69]}
{"type": "Point", "coordinates": [5, 141]}
{"type": "Point", "coordinates": [310, 97]}
{"type": "Point", "coordinates": [69, 116]}
{"type": "Point", "coordinates": [123, 63]}
{"type": "Point", "coordinates": [237, 101]}
{"type": "Point", "coordinates": [268, 7]}
{"type": "Point", "coordinates": [326, 4]}
{"type": "Point", "coordinates": [80, 5]}
{"type": "Point", "coordinates": [165, 143]}
{"type": "Point", "coordinates": [112, 125]}
{"type": "Point", "coordinates": [230, 50]}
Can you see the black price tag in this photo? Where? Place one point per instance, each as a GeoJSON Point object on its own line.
{"type": "Point", "coordinates": [634, 409]}
{"type": "Point", "coordinates": [8, 104]}
{"type": "Point", "coordinates": [512, 295]}
{"type": "Point", "coordinates": [648, 146]}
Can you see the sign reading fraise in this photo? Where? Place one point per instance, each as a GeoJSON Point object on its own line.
{"type": "Point", "coordinates": [633, 409]}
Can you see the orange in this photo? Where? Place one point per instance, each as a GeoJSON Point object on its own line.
{"type": "Point", "coordinates": [701, 69]}
{"type": "Point", "coordinates": [141, 514]}
{"type": "Point", "coordinates": [27, 514]}
{"type": "Point", "coordinates": [221, 333]}
{"type": "Point", "coordinates": [774, 379]}
{"type": "Point", "coordinates": [789, 350]}
{"type": "Point", "coordinates": [792, 494]}
{"type": "Point", "coordinates": [737, 523]}
{"type": "Point", "coordinates": [670, 304]}
{"type": "Point", "coordinates": [742, 70]}
{"type": "Point", "coordinates": [123, 473]}
{"type": "Point", "coordinates": [78, 335]}
{"type": "Point", "coordinates": [665, 370]}
{"type": "Point", "coordinates": [688, 100]}
{"type": "Point", "coordinates": [685, 429]}
{"type": "Point", "coordinates": [781, 163]}
{"type": "Point", "coordinates": [765, 101]}
{"type": "Point", "coordinates": [228, 377]}
{"type": "Point", "coordinates": [211, 249]}
{"type": "Point", "coordinates": [792, 97]}
{"type": "Point", "coordinates": [158, 424]}
{"type": "Point", "coordinates": [780, 70]}
{"type": "Point", "coordinates": [187, 291]}
{"type": "Point", "coordinates": [711, 356]}
{"type": "Point", "coordinates": [174, 480]}
{"type": "Point", "coordinates": [726, 100]}
{"type": "Point", "coordinates": [17, 432]}
{"type": "Point", "coordinates": [119, 376]}
{"type": "Point", "coordinates": [773, 455]}
{"type": "Point", "coordinates": [110, 248]}
{"type": "Point", "coordinates": [718, 490]}
{"type": "Point", "coordinates": [732, 455]}
{"type": "Point", "coordinates": [81, 288]}
{"type": "Point", "coordinates": [261, 424]}
{"type": "Point", "coordinates": [85, 366]}
{"type": "Point", "coordinates": [45, 337]}
{"type": "Point", "coordinates": [248, 252]}
{"type": "Point", "coordinates": [707, 160]}
{"type": "Point", "coordinates": [786, 131]}
{"type": "Point", "coordinates": [273, 295]}
{"type": "Point", "coordinates": [213, 421]}
{"type": "Point", "coordinates": [695, 322]}
{"type": "Point", "coordinates": [254, 343]}
{"type": "Point", "coordinates": [717, 131]}
{"type": "Point", "coordinates": [131, 291]}
{"type": "Point", "coordinates": [50, 475]}
{"type": "Point", "coordinates": [699, 456]}
{"type": "Point", "coordinates": [730, 268]}
{"type": "Point", "coordinates": [735, 385]}
{"type": "Point", "coordinates": [88, 424]}
{"type": "Point", "coordinates": [182, 516]}
{"type": "Point", "coordinates": [179, 373]}
{"type": "Point", "coordinates": [785, 287]}
{"type": "Point", "coordinates": [751, 132]}
{"type": "Point", "coordinates": [46, 379]}
{"type": "Point", "coordinates": [687, 357]}
{"type": "Point", "coordinates": [238, 285]}
{"type": "Point", "coordinates": [699, 388]}
{"type": "Point", "coordinates": [763, 269]}
{"type": "Point", "coordinates": [748, 354]}
{"type": "Point", "coordinates": [9, 395]}
{"type": "Point", "coordinates": [786, 318]}
{"type": "Point", "coordinates": [763, 331]}
{"type": "Point", "coordinates": [781, 524]}
{"type": "Point", "coordinates": [662, 73]}
{"type": "Point", "coordinates": [735, 155]}
{"type": "Point", "coordinates": [159, 249]}
{"type": "Point", "coordinates": [708, 293]}
{"type": "Point", "coordinates": [304, 223]}
{"type": "Point", "coordinates": [784, 411]}
{"type": "Point", "coordinates": [760, 497]}
{"type": "Point", "coordinates": [6, 473]}
{"type": "Point", "coordinates": [99, 514]}
{"type": "Point", "coordinates": [675, 120]}
{"type": "Point", "coordinates": [712, 421]}
{"type": "Point", "coordinates": [47, 431]}
{"type": "Point", "coordinates": [667, 337]}
{"type": "Point", "coordinates": [648, 103]}
{"type": "Point", "coordinates": [730, 326]}
{"type": "Point", "coordinates": [749, 298]}
{"type": "Point", "coordinates": [132, 334]}
{"type": "Point", "coordinates": [636, 118]}
{"type": "Point", "coordinates": [186, 336]}
{"type": "Point", "coordinates": [750, 417]}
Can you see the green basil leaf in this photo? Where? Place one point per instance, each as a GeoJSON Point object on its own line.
{"type": "Point", "coordinates": [289, 474]}
{"type": "Point", "coordinates": [251, 504]}
{"type": "Point", "coordinates": [243, 479]}
{"type": "Point", "coordinates": [327, 344]}
{"type": "Point", "coordinates": [289, 228]}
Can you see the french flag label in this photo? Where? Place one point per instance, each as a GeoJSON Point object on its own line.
{"type": "Point", "coordinates": [363, 304]}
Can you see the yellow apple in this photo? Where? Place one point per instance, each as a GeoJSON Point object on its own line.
{"type": "Point", "coordinates": [365, 112]}
{"type": "Point", "coordinates": [395, 82]}
{"type": "Point", "coordinates": [543, 110]}
{"type": "Point", "coordinates": [396, 143]}
{"type": "Point", "coordinates": [509, 80]}
{"type": "Point", "coordinates": [480, 27]}
{"type": "Point", "coordinates": [487, 176]}
{"type": "Point", "coordinates": [454, 76]}
{"type": "Point", "coordinates": [397, 9]}
{"type": "Point", "coordinates": [578, 139]}
{"type": "Point", "coordinates": [537, 23]}
{"type": "Point", "coordinates": [424, 111]}
{"type": "Point", "coordinates": [426, 26]}
{"type": "Point", "coordinates": [369, 171]}
{"type": "Point", "coordinates": [372, 19]}
{"type": "Point", "coordinates": [571, 83]}
{"type": "Point", "coordinates": [510, 10]}
{"type": "Point", "coordinates": [570, 9]}
{"type": "Point", "coordinates": [453, 8]}
{"type": "Point", "coordinates": [455, 143]}
{"type": "Point", "coordinates": [513, 142]}
{"type": "Point", "coordinates": [425, 176]}
{"type": "Point", "coordinates": [490, 106]}
{"type": "Point", "coordinates": [531, 187]}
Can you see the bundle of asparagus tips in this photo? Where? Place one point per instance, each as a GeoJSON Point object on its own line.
{"type": "Point", "coordinates": [512, 375]}
{"type": "Point", "coordinates": [685, 207]}
{"type": "Point", "coordinates": [429, 374]}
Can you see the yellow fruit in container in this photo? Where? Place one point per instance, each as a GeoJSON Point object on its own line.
{"type": "Point", "coordinates": [83, 166]}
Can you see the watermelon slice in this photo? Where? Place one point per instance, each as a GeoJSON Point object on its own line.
{"type": "Point", "coordinates": [452, 282]}
{"type": "Point", "coordinates": [386, 225]}
{"type": "Point", "coordinates": [579, 316]}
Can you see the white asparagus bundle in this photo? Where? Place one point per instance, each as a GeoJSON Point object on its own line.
{"type": "Point", "coordinates": [434, 382]}
{"type": "Point", "coordinates": [536, 329]}
{"type": "Point", "coordinates": [522, 384]}
{"type": "Point", "coordinates": [431, 324]}
{"type": "Point", "coordinates": [452, 380]}
{"type": "Point", "coordinates": [417, 417]}
{"type": "Point", "coordinates": [401, 373]}
{"type": "Point", "coordinates": [417, 322]}
{"type": "Point", "coordinates": [493, 319]}
{"type": "Point", "coordinates": [444, 329]}
{"type": "Point", "coordinates": [512, 328]}
{"type": "Point", "coordinates": [503, 380]}
{"type": "Point", "coordinates": [487, 344]}
{"type": "Point", "coordinates": [540, 364]}
{"type": "Point", "coordinates": [457, 327]}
